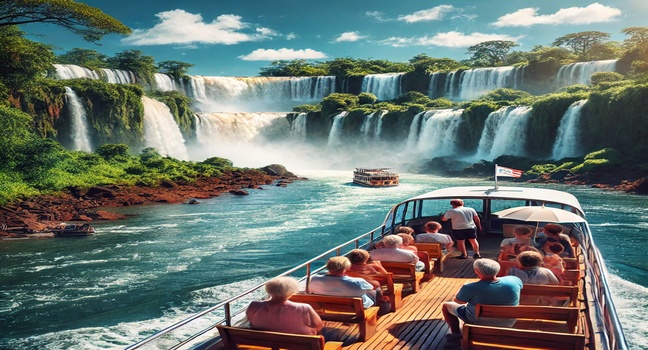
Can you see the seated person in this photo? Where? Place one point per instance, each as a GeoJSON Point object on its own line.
{"type": "Point", "coordinates": [432, 235]}
{"type": "Point", "coordinates": [278, 314]}
{"type": "Point", "coordinates": [337, 283]}
{"type": "Point", "coordinates": [404, 229]}
{"type": "Point", "coordinates": [489, 290]}
{"type": "Point", "coordinates": [392, 252]}
{"type": "Point", "coordinates": [530, 271]}
{"type": "Point", "coordinates": [553, 233]}
{"type": "Point", "coordinates": [408, 242]}
{"type": "Point", "coordinates": [362, 264]}
{"type": "Point", "coordinates": [552, 259]}
{"type": "Point", "coordinates": [510, 247]}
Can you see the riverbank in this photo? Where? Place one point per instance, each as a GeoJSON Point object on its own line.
{"type": "Point", "coordinates": [31, 218]}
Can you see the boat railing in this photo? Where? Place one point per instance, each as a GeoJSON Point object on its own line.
{"type": "Point", "coordinates": [198, 330]}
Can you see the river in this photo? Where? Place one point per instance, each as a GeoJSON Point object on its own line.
{"type": "Point", "coordinates": [166, 262]}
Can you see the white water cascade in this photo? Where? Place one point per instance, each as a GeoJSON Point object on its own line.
{"type": "Point", "coordinates": [71, 71]}
{"type": "Point", "coordinates": [385, 86]}
{"type": "Point", "coordinates": [163, 82]}
{"type": "Point", "coordinates": [568, 138]}
{"type": "Point", "coordinates": [79, 125]}
{"type": "Point", "coordinates": [118, 76]}
{"type": "Point", "coordinates": [161, 131]}
{"type": "Point", "coordinates": [372, 126]}
{"type": "Point", "coordinates": [436, 133]}
{"type": "Point", "coordinates": [504, 133]}
{"type": "Point", "coordinates": [473, 83]}
{"type": "Point", "coordinates": [581, 72]}
{"type": "Point", "coordinates": [335, 135]}
{"type": "Point", "coordinates": [298, 127]}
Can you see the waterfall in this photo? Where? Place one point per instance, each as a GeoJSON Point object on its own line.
{"type": "Point", "coordinates": [504, 133]}
{"type": "Point", "coordinates": [581, 72]}
{"type": "Point", "coordinates": [298, 128]}
{"type": "Point", "coordinates": [79, 125]}
{"type": "Point", "coordinates": [161, 131]}
{"type": "Point", "coordinates": [71, 71]}
{"type": "Point", "coordinates": [118, 76]}
{"type": "Point", "coordinates": [164, 82]}
{"type": "Point", "coordinates": [438, 135]}
{"type": "Point", "coordinates": [414, 131]}
{"type": "Point", "coordinates": [372, 125]}
{"type": "Point", "coordinates": [384, 86]}
{"type": "Point", "coordinates": [568, 138]}
{"type": "Point", "coordinates": [335, 135]}
{"type": "Point", "coordinates": [473, 83]}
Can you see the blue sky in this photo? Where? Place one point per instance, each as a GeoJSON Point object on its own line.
{"type": "Point", "coordinates": [237, 38]}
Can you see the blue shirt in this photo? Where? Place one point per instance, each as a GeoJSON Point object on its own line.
{"type": "Point", "coordinates": [343, 286]}
{"type": "Point", "coordinates": [504, 291]}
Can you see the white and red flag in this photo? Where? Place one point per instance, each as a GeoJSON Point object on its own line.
{"type": "Point", "coordinates": [507, 172]}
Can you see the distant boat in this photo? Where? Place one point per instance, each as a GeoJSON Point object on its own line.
{"type": "Point", "coordinates": [375, 177]}
{"type": "Point", "coordinates": [73, 230]}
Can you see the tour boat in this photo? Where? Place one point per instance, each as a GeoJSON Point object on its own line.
{"type": "Point", "coordinates": [375, 177]}
{"type": "Point", "coordinates": [418, 323]}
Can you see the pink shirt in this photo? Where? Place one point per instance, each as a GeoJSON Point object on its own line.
{"type": "Point", "coordinates": [287, 317]}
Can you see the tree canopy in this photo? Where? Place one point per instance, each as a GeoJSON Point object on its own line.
{"type": "Point", "coordinates": [492, 52]}
{"type": "Point", "coordinates": [175, 68]}
{"type": "Point", "coordinates": [581, 43]}
{"type": "Point", "coordinates": [87, 21]}
{"type": "Point", "coordinates": [22, 60]}
{"type": "Point", "coordinates": [83, 57]}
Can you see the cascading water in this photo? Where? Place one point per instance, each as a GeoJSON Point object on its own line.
{"type": "Point", "coordinates": [504, 133]}
{"type": "Point", "coordinates": [372, 126]}
{"type": "Point", "coordinates": [568, 139]}
{"type": "Point", "coordinates": [335, 135]}
{"type": "Point", "coordinates": [385, 86]}
{"type": "Point", "coordinates": [437, 136]}
{"type": "Point", "coordinates": [163, 82]}
{"type": "Point", "coordinates": [473, 83]}
{"type": "Point", "coordinates": [581, 72]}
{"type": "Point", "coordinates": [80, 138]}
{"type": "Point", "coordinates": [161, 131]}
{"type": "Point", "coordinates": [71, 71]}
{"type": "Point", "coordinates": [298, 127]}
{"type": "Point", "coordinates": [118, 76]}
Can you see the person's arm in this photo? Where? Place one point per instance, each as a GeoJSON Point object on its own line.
{"type": "Point", "coordinates": [459, 301]}
{"type": "Point", "coordinates": [477, 222]}
{"type": "Point", "coordinates": [315, 320]}
{"type": "Point", "coordinates": [378, 266]}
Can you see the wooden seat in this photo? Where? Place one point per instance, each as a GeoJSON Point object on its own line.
{"type": "Point", "coordinates": [342, 309]}
{"type": "Point", "coordinates": [571, 263]}
{"type": "Point", "coordinates": [392, 291]}
{"type": "Point", "coordinates": [553, 291]}
{"type": "Point", "coordinates": [428, 270]}
{"type": "Point", "coordinates": [534, 317]}
{"type": "Point", "coordinates": [490, 338]}
{"type": "Point", "coordinates": [435, 252]}
{"type": "Point", "coordinates": [405, 273]}
{"type": "Point", "coordinates": [572, 277]}
{"type": "Point", "coordinates": [235, 338]}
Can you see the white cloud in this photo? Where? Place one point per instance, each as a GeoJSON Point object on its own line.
{"type": "Point", "coordinates": [291, 36]}
{"type": "Point", "coordinates": [594, 13]}
{"type": "Point", "coordinates": [181, 27]}
{"type": "Point", "coordinates": [282, 54]}
{"type": "Point", "coordinates": [350, 37]}
{"type": "Point", "coordinates": [447, 39]}
{"type": "Point", "coordinates": [377, 15]}
{"type": "Point", "coordinates": [433, 14]}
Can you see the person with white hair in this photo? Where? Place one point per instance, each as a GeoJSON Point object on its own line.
{"type": "Point", "coordinates": [489, 290]}
{"type": "Point", "coordinates": [392, 252]}
{"type": "Point", "coordinates": [278, 314]}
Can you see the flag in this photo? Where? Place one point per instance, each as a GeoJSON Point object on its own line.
{"type": "Point", "coordinates": [507, 172]}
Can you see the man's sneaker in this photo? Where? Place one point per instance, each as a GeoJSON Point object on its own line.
{"type": "Point", "coordinates": [477, 256]}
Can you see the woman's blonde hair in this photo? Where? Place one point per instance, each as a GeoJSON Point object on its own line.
{"type": "Point", "coordinates": [358, 256]}
{"type": "Point", "coordinates": [338, 263]}
{"type": "Point", "coordinates": [407, 239]}
{"type": "Point", "coordinates": [282, 287]}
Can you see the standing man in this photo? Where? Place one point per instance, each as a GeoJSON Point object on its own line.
{"type": "Point", "coordinates": [465, 223]}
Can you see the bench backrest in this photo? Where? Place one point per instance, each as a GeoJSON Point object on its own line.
{"type": "Point", "coordinates": [484, 337]}
{"type": "Point", "coordinates": [552, 291]}
{"type": "Point", "coordinates": [350, 308]}
{"type": "Point", "coordinates": [400, 268]}
{"type": "Point", "coordinates": [569, 315]}
{"type": "Point", "coordinates": [386, 280]}
{"type": "Point", "coordinates": [234, 337]}
{"type": "Point", "coordinates": [434, 250]}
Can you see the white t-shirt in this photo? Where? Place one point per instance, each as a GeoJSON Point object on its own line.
{"type": "Point", "coordinates": [462, 217]}
{"type": "Point", "coordinates": [441, 238]}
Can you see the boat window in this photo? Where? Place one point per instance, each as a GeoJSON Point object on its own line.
{"type": "Point", "coordinates": [434, 207]}
{"type": "Point", "coordinates": [501, 204]}
{"type": "Point", "coordinates": [477, 204]}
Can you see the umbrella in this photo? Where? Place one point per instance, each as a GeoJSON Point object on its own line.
{"type": "Point", "coordinates": [539, 214]}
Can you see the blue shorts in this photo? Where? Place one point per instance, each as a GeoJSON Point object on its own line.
{"type": "Point", "coordinates": [468, 233]}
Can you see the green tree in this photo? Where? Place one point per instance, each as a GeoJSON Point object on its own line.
{"type": "Point", "coordinates": [22, 60]}
{"type": "Point", "coordinates": [83, 57]}
{"type": "Point", "coordinates": [82, 19]}
{"type": "Point", "coordinates": [638, 37]}
{"type": "Point", "coordinates": [340, 66]}
{"type": "Point", "coordinates": [134, 61]}
{"type": "Point", "coordinates": [111, 151]}
{"type": "Point", "coordinates": [494, 52]}
{"type": "Point", "coordinates": [176, 69]}
{"type": "Point", "coordinates": [582, 43]}
{"type": "Point", "coordinates": [426, 64]}
{"type": "Point", "coordinates": [541, 54]}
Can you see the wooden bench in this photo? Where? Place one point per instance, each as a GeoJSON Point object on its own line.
{"type": "Point", "coordinates": [572, 277]}
{"type": "Point", "coordinates": [392, 291]}
{"type": "Point", "coordinates": [235, 338]}
{"type": "Point", "coordinates": [405, 273]}
{"type": "Point", "coordinates": [570, 293]}
{"type": "Point", "coordinates": [428, 270]}
{"type": "Point", "coordinates": [343, 309]}
{"type": "Point", "coordinates": [485, 337]}
{"type": "Point", "coordinates": [534, 317]}
{"type": "Point", "coordinates": [435, 252]}
{"type": "Point", "coordinates": [571, 263]}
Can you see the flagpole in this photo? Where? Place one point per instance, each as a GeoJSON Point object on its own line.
{"type": "Point", "coordinates": [495, 176]}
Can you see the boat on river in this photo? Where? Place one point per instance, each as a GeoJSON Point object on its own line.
{"type": "Point", "coordinates": [418, 323]}
{"type": "Point", "coordinates": [73, 230]}
{"type": "Point", "coordinates": [375, 177]}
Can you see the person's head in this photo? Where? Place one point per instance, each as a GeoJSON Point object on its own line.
{"type": "Point", "coordinates": [432, 227]}
{"type": "Point", "coordinates": [392, 241]}
{"type": "Point", "coordinates": [338, 265]}
{"type": "Point", "coordinates": [404, 229]}
{"type": "Point", "coordinates": [407, 239]}
{"type": "Point", "coordinates": [529, 259]}
{"type": "Point", "coordinates": [526, 248]}
{"type": "Point", "coordinates": [522, 231]}
{"type": "Point", "coordinates": [553, 229]}
{"type": "Point", "coordinates": [358, 256]}
{"type": "Point", "coordinates": [553, 248]}
{"type": "Point", "coordinates": [456, 203]}
{"type": "Point", "coordinates": [281, 288]}
{"type": "Point", "coordinates": [486, 268]}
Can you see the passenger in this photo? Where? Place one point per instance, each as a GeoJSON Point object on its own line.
{"type": "Point", "coordinates": [337, 283]}
{"type": "Point", "coordinates": [530, 271]}
{"type": "Point", "coordinates": [408, 242]}
{"type": "Point", "coordinates": [489, 290]}
{"type": "Point", "coordinates": [510, 247]}
{"type": "Point", "coordinates": [361, 263]}
{"type": "Point", "coordinates": [552, 259]}
{"type": "Point", "coordinates": [278, 314]}
{"type": "Point", "coordinates": [465, 223]}
{"type": "Point", "coordinates": [392, 252]}
{"type": "Point", "coordinates": [404, 229]}
{"type": "Point", "coordinates": [432, 235]}
{"type": "Point", "coordinates": [553, 233]}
